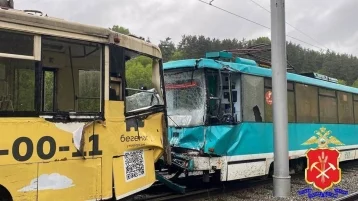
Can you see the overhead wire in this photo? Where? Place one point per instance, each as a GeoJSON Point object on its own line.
{"type": "Point", "coordinates": [234, 14]}
{"type": "Point", "coordinates": [290, 25]}
{"type": "Point", "coordinates": [239, 16]}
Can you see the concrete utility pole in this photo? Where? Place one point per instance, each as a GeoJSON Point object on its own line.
{"type": "Point", "coordinates": [281, 176]}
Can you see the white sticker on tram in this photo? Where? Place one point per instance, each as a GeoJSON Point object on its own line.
{"type": "Point", "coordinates": [52, 181]}
{"type": "Point", "coordinates": [76, 130]}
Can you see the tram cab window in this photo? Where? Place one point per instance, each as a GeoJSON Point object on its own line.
{"type": "Point", "coordinates": [185, 94]}
{"type": "Point", "coordinates": [17, 74]}
{"type": "Point", "coordinates": [142, 82]}
{"type": "Point", "coordinates": [77, 82]}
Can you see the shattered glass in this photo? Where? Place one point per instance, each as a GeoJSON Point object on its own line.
{"type": "Point", "coordinates": [186, 98]}
{"type": "Point", "coordinates": [143, 100]}
{"type": "Point", "coordinates": [253, 98]}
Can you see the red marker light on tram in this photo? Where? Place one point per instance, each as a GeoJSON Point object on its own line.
{"type": "Point", "coordinates": [116, 39]}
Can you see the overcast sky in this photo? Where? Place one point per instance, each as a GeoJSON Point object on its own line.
{"type": "Point", "coordinates": [331, 23]}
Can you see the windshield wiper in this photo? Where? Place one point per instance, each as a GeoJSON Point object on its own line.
{"type": "Point", "coordinates": [149, 109]}
{"type": "Point", "coordinates": [140, 90]}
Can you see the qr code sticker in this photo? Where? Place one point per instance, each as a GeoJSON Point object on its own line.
{"type": "Point", "coordinates": [134, 164]}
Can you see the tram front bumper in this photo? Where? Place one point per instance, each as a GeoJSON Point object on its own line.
{"type": "Point", "coordinates": [197, 163]}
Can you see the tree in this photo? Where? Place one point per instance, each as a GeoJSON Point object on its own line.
{"type": "Point", "coordinates": [340, 66]}
{"type": "Point", "coordinates": [355, 84]}
{"type": "Point", "coordinates": [343, 82]}
{"type": "Point", "coordinates": [139, 73]}
{"type": "Point", "coordinates": [120, 29]}
{"type": "Point", "coordinates": [177, 55]}
{"type": "Point", "coordinates": [168, 48]}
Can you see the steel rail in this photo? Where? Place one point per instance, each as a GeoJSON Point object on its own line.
{"type": "Point", "coordinates": [349, 197]}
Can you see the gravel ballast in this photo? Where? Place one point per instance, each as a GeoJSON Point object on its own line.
{"type": "Point", "coordinates": [264, 192]}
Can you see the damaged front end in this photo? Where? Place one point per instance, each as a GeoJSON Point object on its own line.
{"type": "Point", "coordinates": [189, 153]}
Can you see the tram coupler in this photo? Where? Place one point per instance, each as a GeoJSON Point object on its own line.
{"type": "Point", "coordinates": [182, 162]}
{"type": "Point", "coordinates": [175, 187]}
{"type": "Point", "coordinates": [206, 176]}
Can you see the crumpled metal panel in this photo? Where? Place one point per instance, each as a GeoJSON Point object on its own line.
{"type": "Point", "coordinates": [189, 138]}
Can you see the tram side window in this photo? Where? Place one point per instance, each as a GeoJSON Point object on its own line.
{"type": "Point", "coordinates": [48, 90]}
{"type": "Point", "coordinates": [17, 85]}
{"type": "Point", "coordinates": [78, 69]}
{"type": "Point", "coordinates": [345, 108]}
{"type": "Point", "coordinates": [328, 106]}
{"type": "Point", "coordinates": [17, 76]}
{"type": "Point", "coordinates": [16, 43]}
{"type": "Point", "coordinates": [253, 98]}
{"type": "Point", "coordinates": [89, 90]}
{"type": "Point", "coordinates": [306, 103]}
{"type": "Point", "coordinates": [269, 101]}
{"type": "Point", "coordinates": [355, 105]}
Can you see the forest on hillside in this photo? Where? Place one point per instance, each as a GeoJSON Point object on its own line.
{"type": "Point", "coordinates": [343, 67]}
{"type": "Point", "coordinates": [340, 66]}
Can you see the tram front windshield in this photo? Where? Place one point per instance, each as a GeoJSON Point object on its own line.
{"type": "Point", "coordinates": [185, 93]}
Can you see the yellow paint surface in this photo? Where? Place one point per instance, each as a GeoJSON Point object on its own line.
{"type": "Point", "coordinates": [39, 149]}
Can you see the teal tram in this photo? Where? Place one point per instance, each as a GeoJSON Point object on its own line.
{"type": "Point", "coordinates": [220, 116]}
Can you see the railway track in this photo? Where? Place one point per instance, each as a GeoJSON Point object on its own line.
{"type": "Point", "coordinates": [350, 197]}
{"type": "Point", "coordinates": [349, 166]}
{"type": "Point", "coordinates": [214, 190]}
{"type": "Point", "coordinates": [196, 188]}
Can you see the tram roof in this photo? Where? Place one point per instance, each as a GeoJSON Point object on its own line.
{"type": "Point", "coordinates": [17, 17]}
{"type": "Point", "coordinates": [252, 70]}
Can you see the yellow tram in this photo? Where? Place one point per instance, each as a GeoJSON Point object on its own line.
{"type": "Point", "coordinates": [74, 124]}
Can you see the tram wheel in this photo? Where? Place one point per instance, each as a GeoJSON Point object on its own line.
{"type": "Point", "coordinates": [5, 194]}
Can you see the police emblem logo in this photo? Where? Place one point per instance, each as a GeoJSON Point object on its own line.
{"type": "Point", "coordinates": [323, 162]}
{"type": "Point", "coordinates": [323, 139]}
{"type": "Point", "coordinates": [323, 168]}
